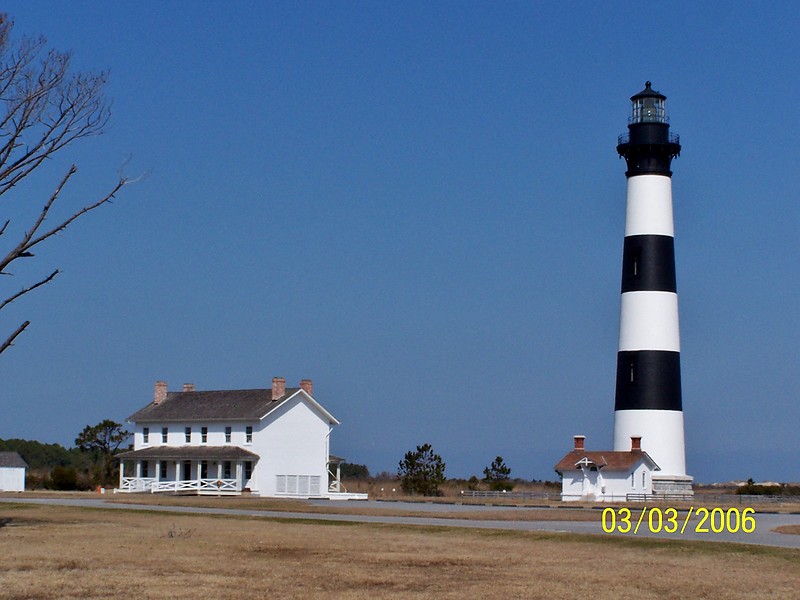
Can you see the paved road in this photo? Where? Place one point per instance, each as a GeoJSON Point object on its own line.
{"type": "Point", "coordinates": [763, 534]}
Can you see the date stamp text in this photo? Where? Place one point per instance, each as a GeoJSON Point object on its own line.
{"type": "Point", "coordinates": [670, 520]}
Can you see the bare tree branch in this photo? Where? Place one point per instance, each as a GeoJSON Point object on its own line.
{"type": "Point", "coordinates": [44, 107]}
{"type": "Point", "coordinates": [13, 336]}
{"type": "Point", "coordinates": [30, 288]}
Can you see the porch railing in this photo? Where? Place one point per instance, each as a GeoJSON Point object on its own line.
{"type": "Point", "coordinates": [196, 485]}
{"type": "Point", "coordinates": [137, 484]}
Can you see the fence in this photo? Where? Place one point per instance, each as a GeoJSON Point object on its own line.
{"type": "Point", "coordinates": [196, 485]}
{"type": "Point", "coordinates": [511, 495]}
{"type": "Point", "coordinates": [136, 484]}
{"type": "Point", "coordinates": [696, 498]}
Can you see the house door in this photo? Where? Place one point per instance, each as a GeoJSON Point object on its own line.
{"type": "Point", "coordinates": [247, 472]}
{"type": "Point", "coordinates": [187, 470]}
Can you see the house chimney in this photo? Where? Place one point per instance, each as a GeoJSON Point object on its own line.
{"type": "Point", "coordinates": [278, 387]}
{"type": "Point", "coordinates": [579, 442]}
{"type": "Point", "coordinates": [308, 386]}
{"type": "Point", "coordinates": [189, 387]}
{"type": "Point", "coordinates": [160, 392]}
{"type": "Point", "coordinates": [636, 442]}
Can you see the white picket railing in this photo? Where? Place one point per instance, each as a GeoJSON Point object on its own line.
{"type": "Point", "coordinates": [196, 485]}
{"type": "Point", "coordinates": [137, 484]}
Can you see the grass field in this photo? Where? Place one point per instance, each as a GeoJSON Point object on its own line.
{"type": "Point", "coordinates": [61, 552]}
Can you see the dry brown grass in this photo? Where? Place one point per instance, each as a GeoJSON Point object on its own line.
{"type": "Point", "coordinates": [389, 509]}
{"type": "Point", "coordinates": [788, 529]}
{"type": "Point", "coordinates": [58, 552]}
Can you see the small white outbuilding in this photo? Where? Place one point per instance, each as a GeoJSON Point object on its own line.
{"type": "Point", "coordinates": [12, 472]}
{"type": "Point", "coordinates": [606, 475]}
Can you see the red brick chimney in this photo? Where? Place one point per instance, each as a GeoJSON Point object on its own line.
{"type": "Point", "coordinates": [308, 386]}
{"type": "Point", "coordinates": [579, 442]}
{"type": "Point", "coordinates": [160, 392]}
{"type": "Point", "coordinates": [636, 443]}
{"type": "Point", "coordinates": [278, 387]}
{"type": "Point", "coordinates": [189, 387]}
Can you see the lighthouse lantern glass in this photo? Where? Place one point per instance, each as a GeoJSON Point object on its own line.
{"type": "Point", "coordinates": [649, 110]}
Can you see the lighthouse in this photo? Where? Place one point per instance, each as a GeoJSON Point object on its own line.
{"type": "Point", "coordinates": [648, 403]}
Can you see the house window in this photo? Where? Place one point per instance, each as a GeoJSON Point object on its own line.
{"type": "Point", "coordinates": [633, 480]}
{"type": "Point", "coordinates": [248, 469]}
{"type": "Point", "coordinates": [227, 435]}
{"type": "Point", "coordinates": [188, 434]}
{"type": "Point", "coordinates": [644, 479]}
{"type": "Point", "coordinates": [204, 435]}
{"type": "Point", "coordinates": [162, 470]}
{"type": "Point", "coordinates": [226, 469]}
{"type": "Point", "coordinates": [145, 468]}
{"type": "Point", "coordinates": [145, 435]}
{"type": "Point", "coordinates": [248, 434]}
{"type": "Point", "coordinates": [164, 432]}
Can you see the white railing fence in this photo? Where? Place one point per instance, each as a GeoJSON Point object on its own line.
{"type": "Point", "coordinates": [137, 484]}
{"type": "Point", "coordinates": [196, 485]}
{"type": "Point", "coordinates": [150, 484]}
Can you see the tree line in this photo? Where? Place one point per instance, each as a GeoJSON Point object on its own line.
{"type": "Point", "coordinates": [89, 464]}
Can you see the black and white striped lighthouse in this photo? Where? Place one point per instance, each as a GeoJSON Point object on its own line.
{"type": "Point", "coordinates": [648, 392]}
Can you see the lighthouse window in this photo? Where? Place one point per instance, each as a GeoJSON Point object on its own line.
{"type": "Point", "coordinates": [633, 370]}
{"type": "Point", "coordinates": [649, 110]}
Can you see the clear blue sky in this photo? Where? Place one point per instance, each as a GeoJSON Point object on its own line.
{"type": "Point", "coordinates": [420, 207]}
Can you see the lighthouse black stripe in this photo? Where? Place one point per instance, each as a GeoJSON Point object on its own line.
{"type": "Point", "coordinates": [648, 149]}
{"type": "Point", "coordinates": [648, 264]}
{"type": "Point", "coordinates": [648, 380]}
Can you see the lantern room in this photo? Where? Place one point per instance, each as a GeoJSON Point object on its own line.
{"type": "Point", "coordinates": [648, 106]}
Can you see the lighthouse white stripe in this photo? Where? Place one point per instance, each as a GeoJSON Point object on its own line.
{"type": "Point", "coordinates": [662, 436]}
{"type": "Point", "coordinates": [649, 321]}
{"type": "Point", "coordinates": [649, 208]}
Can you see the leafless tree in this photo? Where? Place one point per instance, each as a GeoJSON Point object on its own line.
{"type": "Point", "coordinates": [44, 107]}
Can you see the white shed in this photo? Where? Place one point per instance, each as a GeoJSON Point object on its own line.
{"type": "Point", "coordinates": [606, 475]}
{"type": "Point", "coordinates": [12, 472]}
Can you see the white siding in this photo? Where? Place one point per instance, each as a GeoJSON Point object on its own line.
{"type": "Point", "coordinates": [12, 479]}
{"type": "Point", "coordinates": [606, 486]}
{"type": "Point", "coordinates": [292, 441]}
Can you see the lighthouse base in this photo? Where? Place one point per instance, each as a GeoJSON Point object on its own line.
{"type": "Point", "coordinates": [672, 485]}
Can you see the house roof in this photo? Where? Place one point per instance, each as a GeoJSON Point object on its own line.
{"type": "Point", "coordinates": [219, 405]}
{"type": "Point", "coordinates": [605, 460]}
{"type": "Point", "coordinates": [12, 459]}
{"type": "Point", "coordinates": [189, 453]}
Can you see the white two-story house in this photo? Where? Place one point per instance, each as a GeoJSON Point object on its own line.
{"type": "Point", "coordinates": [270, 442]}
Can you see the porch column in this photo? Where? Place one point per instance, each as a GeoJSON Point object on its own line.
{"type": "Point", "coordinates": [158, 471]}
{"type": "Point", "coordinates": [178, 468]}
{"type": "Point", "coordinates": [138, 469]}
{"type": "Point", "coordinates": [239, 485]}
{"type": "Point", "coordinates": [121, 472]}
